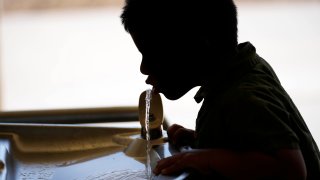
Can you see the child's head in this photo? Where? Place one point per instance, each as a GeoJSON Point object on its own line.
{"type": "Point", "coordinates": [214, 20]}
{"type": "Point", "coordinates": [179, 39]}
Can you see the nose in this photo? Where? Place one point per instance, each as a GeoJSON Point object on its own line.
{"type": "Point", "coordinates": [143, 67]}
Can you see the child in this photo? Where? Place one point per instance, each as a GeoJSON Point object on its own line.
{"type": "Point", "coordinates": [247, 127]}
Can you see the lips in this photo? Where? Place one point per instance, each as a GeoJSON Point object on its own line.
{"type": "Point", "coordinates": [151, 81]}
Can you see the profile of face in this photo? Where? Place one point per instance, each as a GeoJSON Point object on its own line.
{"type": "Point", "coordinates": [170, 60]}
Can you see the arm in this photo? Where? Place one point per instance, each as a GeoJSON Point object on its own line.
{"type": "Point", "coordinates": [286, 164]}
{"type": "Point", "coordinates": [180, 136]}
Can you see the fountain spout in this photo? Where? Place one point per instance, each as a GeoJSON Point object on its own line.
{"type": "Point", "coordinates": [154, 114]}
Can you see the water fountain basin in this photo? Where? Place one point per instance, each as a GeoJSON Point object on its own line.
{"type": "Point", "coordinates": [76, 152]}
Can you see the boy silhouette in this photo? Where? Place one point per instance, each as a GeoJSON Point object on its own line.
{"type": "Point", "coordinates": [248, 127]}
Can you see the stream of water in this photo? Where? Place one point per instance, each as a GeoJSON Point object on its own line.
{"type": "Point", "coordinates": [148, 148]}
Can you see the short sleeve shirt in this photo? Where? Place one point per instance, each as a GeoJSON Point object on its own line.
{"type": "Point", "coordinates": [248, 109]}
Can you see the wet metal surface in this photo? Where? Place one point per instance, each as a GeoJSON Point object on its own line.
{"type": "Point", "coordinates": [75, 152]}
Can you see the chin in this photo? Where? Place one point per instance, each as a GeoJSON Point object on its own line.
{"type": "Point", "coordinates": [174, 95]}
{"type": "Point", "coordinates": [171, 97]}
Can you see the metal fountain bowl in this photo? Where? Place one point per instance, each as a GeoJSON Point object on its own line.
{"type": "Point", "coordinates": [77, 144]}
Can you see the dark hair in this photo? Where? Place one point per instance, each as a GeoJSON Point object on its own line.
{"type": "Point", "coordinates": [214, 19]}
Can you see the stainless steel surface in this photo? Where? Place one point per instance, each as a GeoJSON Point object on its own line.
{"type": "Point", "coordinates": [79, 152]}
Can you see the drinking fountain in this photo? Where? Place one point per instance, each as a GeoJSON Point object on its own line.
{"type": "Point", "coordinates": [32, 149]}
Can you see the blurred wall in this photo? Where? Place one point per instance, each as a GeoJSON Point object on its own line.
{"type": "Point", "coordinates": [19, 5]}
{"type": "Point", "coordinates": [82, 57]}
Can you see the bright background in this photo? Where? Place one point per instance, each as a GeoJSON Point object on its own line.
{"type": "Point", "coordinates": [82, 57]}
